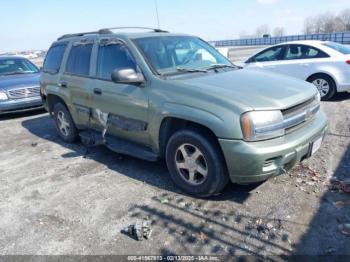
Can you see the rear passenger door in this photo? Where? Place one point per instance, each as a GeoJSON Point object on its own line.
{"type": "Point", "coordinates": [126, 103]}
{"type": "Point", "coordinates": [77, 80]}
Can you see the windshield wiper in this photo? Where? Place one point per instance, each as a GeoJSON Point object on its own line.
{"type": "Point", "coordinates": [218, 66]}
{"type": "Point", "coordinates": [191, 70]}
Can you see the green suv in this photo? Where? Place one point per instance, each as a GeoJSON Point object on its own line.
{"type": "Point", "coordinates": [155, 95]}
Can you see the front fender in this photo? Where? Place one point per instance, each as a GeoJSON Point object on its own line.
{"type": "Point", "coordinates": [224, 125]}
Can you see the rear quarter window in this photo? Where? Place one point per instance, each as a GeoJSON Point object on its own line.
{"type": "Point", "coordinates": [345, 50]}
{"type": "Point", "coordinates": [54, 58]}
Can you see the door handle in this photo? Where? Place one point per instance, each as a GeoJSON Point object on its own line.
{"type": "Point", "coordinates": [63, 84]}
{"type": "Point", "coordinates": [97, 91]}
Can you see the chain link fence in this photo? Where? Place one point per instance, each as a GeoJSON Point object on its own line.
{"type": "Point", "coordinates": [340, 37]}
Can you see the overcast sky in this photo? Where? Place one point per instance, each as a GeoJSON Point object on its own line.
{"type": "Point", "coordinates": [34, 24]}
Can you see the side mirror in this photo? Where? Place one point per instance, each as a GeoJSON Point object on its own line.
{"type": "Point", "coordinates": [127, 76]}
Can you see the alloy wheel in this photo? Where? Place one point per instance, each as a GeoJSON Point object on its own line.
{"type": "Point", "coordinates": [191, 164]}
{"type": "Point", "coordinates": [63, 124]}
{"type": "Point", "coordinates": [322, 86]}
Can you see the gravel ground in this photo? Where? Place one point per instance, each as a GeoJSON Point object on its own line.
{"type": "Point", "coordinates": [56, 198]}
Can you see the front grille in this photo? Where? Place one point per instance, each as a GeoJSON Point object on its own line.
{"type": "Point", "coordinates": [24, 92]}
{"type": "Point", "coordinates": [296, 116]}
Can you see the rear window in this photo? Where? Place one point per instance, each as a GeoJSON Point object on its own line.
{"type": "Point", "coordinates": [54, 57]}
{"type": "Point", "coordinates": [78, 62]}
{"type": "Point", "coordinates": [338, 47]}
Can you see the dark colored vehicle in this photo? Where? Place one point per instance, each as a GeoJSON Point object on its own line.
{"type": "Point", "coordinates": [19, 85]}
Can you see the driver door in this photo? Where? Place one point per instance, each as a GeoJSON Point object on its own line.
{"type": "Point", "coordinates": [269, 59]}
{"type": "Point", "coordinates": [126, 103]}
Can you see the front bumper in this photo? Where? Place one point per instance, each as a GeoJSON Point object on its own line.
{"type": "Point", "coordinates": [250, 162]}
{"type": "Point", "coordinates": [20, 105]}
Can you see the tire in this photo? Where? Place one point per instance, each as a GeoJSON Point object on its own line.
{"type": "Point", "coordinates": [325, 85]}
{"type": "Point", "coordinates": [64, 123]}
{"type": "Point", "coordinates": [189, 152]}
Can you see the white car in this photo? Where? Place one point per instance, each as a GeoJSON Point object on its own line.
{"type": "Point", "coordinates": [325, 64]}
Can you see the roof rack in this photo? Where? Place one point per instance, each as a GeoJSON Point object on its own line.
{"type": "Point", "coordinates": [110, 31]}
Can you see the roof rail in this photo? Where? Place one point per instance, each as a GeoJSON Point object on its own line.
{"type": "Point", "coordinates": [109, 31]}
{"type": "Point", "coordinates": [77, 34]}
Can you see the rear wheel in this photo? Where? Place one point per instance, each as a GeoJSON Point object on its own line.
{"type": "Point", "coordinates": [64, 123]}
{"type": "Point", "coordinates": [325, 85]}
{"type": "Point", "coordinates": [196, 164]}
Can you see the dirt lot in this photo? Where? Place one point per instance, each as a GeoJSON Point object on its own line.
{"type": "Point", "coordinates": [55, 199]}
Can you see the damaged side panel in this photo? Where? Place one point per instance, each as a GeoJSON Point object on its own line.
{"type": "Point", "coordinates": [126, 124]}
{"type": "Point", "coordinates": [120, 122]}
{"type": "Point", "coordinates": [83, 113]}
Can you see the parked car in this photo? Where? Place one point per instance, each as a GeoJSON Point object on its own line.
{"type": "Point", "coordinates": [325, 64]}
{"type": "Point", "coordinates": [19, 85]}
{"type": "Point", "coordinates": [156, 95]}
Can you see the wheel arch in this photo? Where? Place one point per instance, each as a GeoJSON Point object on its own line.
{"type": "Point", "coordinates": [331, 76]}
{"type": "Point", "coordinates": [171, 125]}
{"type": "Point", "coordinates": [52, 99]}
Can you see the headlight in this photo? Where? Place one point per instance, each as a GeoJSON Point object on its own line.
{"type": "Point", "coordinates": [261, 125]}
{"type": "Point", "coordinates": [3, 96]}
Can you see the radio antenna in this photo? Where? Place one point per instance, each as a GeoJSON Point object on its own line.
{"type": "Point", "coordinates": [156, 5]}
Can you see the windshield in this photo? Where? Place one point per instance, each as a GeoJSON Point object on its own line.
{"type": "Point", "coordinates": [338, 47]}
{"type": "Point", "coordinates": [13, 66]}
{"type": "Point", "coordinates": [179, 54]}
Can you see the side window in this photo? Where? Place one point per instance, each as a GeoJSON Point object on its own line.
{"type": "Point", "coordinates": [272, 54]}
{"type": "Point", "coordinates": [113, 56]}
{"type": "Point", "coordinates": [303, 52]}
{"type": "Point", "coordinates": [78, 62]}
{"type": "Point", "coordinates": [53, 58]}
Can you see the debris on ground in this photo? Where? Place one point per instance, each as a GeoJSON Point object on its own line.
{"type": "Point", "coordinates": [344, 229]}
{"type": "Point", "coordinates": [34, 144]}
{"type": "Point", "coordinates": [345, 186]}
{"type": "Point", "coordinates": [307, 179]}
{"type": "Point", "coordinates": [340, 185]}
{"type": "Point", "coordinates": [202, 236]}
{"type": "Point", "coordinates": [342, 203]}
{"type": "Point", "coordinates": [140, 230]}
{"type": "Point", "coordinates": [263, 227]}
{"type": "Point", "coordinates": [164, 200]}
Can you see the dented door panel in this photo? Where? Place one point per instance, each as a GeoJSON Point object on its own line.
{"type": "Point", "coordinates": [124, 108]}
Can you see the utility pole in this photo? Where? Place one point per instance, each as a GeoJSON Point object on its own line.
{"type": "Point", "coordinates": [156, 4]}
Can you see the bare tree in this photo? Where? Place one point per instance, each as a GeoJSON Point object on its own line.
{"type": "Point", "coordinates": [262, 30]}
{"type": "Point", "coordinates": [309, 25]}
{"type": "Point", "coordinates": [328, 23]}
{"type": "Point", "coordinates": [279, 31]}
{"type": "Point", "coordinates": [344, 17]}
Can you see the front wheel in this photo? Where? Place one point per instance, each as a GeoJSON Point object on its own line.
{"type": "Point", "coordinates": [325, 85]}
{"type": "Point", "coordinates": [196, 164]}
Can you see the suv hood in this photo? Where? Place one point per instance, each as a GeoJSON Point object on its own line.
{"type": "Point", "coordinates": [256, 89]}
{"type": "Point", "coordinates": [15, 81]}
